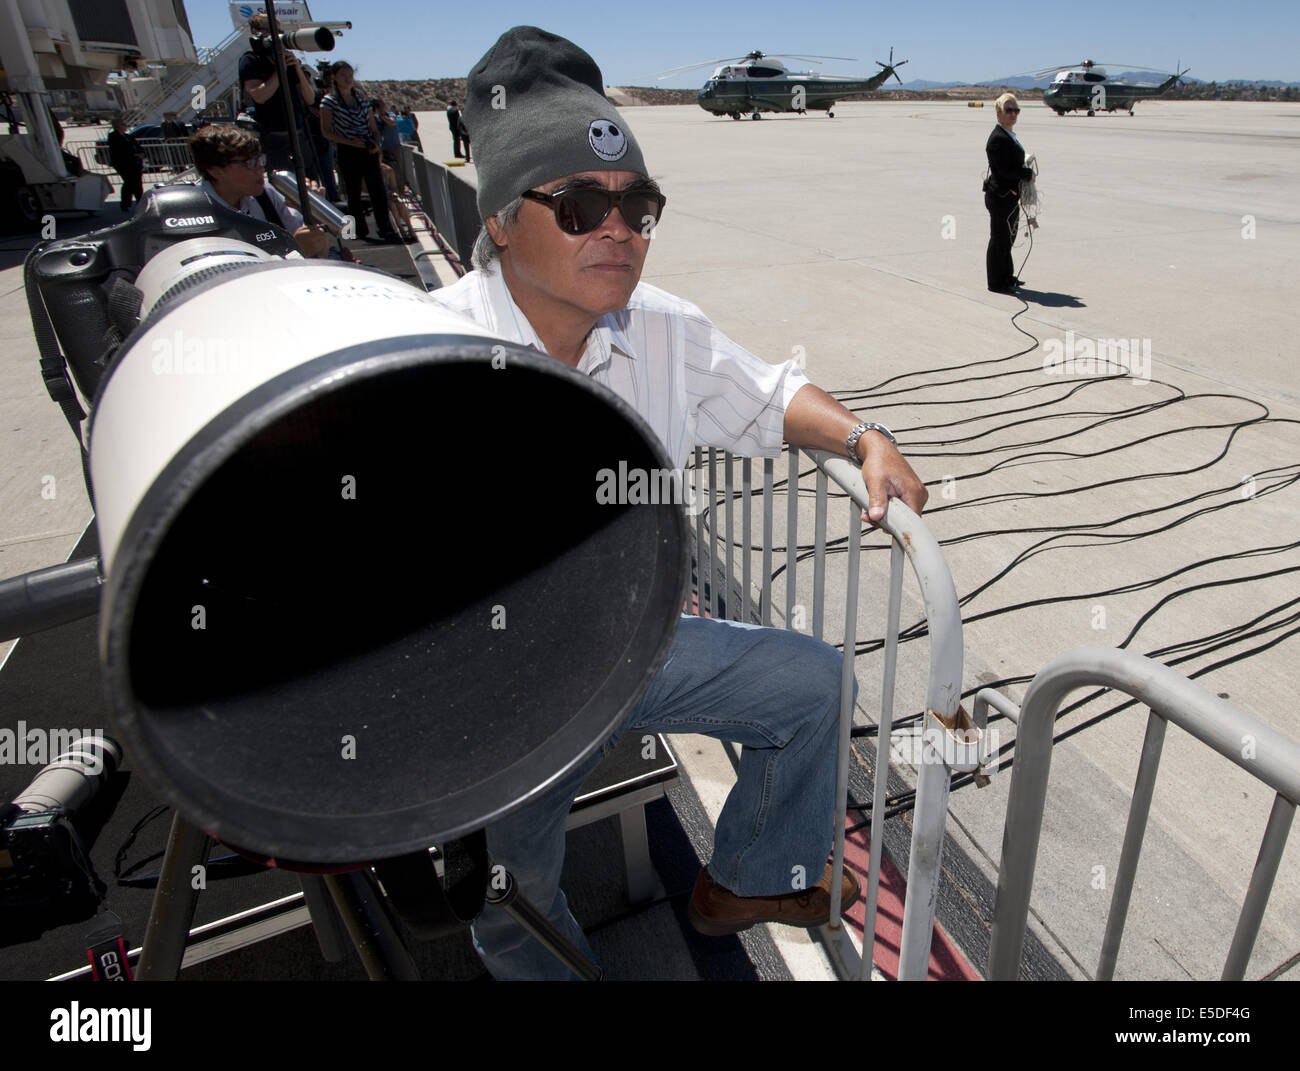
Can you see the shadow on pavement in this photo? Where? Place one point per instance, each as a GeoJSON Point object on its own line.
{"type": "Point", "coordinates": [1049, 299]}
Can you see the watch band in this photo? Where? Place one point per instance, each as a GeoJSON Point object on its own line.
{"type": "Point", "coordinates": [851, 443]}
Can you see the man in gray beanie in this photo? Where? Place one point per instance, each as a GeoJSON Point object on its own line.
{"type": "Point", "coordinates": [568, 209]}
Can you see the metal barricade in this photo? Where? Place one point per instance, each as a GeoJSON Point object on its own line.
{"type": "Point", "coordinates": [1263, 752]}
{"type": "Point", "coordinates": [448, 199]}
{"type": "Point", "coordinates": [951, 743]}
{"type": "Point", "coordinates": [162, 156]}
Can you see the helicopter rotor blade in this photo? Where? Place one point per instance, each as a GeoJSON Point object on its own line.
{"type": "Point", "coordinates": [697, 66]}
{"type": "Point", "coordinates": [783, 55]}
{"type": "Point", "coordinates": [809, 59]}
{"type": "Point", "coordinates": [1043, 72]}
{"type": "Point", "coordinates": [1131, 66]}
{"type": "Point", "coordinates": [749, 56]}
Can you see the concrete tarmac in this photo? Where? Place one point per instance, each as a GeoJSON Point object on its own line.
{"type": "Point", "coordinates": [1075, 507]}
{"type": "Point", "coordinates": [1071, 503]}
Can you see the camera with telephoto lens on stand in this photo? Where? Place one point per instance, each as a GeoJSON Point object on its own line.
{"type": "Point", "coordinates": [298, 608]}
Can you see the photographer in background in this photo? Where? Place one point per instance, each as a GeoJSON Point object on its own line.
{"type": "Point", "coordinates": [234, 171]}
{"type": "Point", "coordinates": [271, 109]}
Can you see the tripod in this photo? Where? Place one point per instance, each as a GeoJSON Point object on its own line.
{"type": "Point", "coordinates": [352, 906]}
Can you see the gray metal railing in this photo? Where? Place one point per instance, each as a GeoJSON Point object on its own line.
{"type": "Point", "coordinates": [450, 200]}
{"type": "Point", "coordinates": [1263, 752]}
{"type": "Point", "coordinates": [162, 156]}
{"type": "Point", "coordinates": [951, 742]}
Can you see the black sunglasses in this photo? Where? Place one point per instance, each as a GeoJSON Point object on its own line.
{"type": "Point", "coordinates": [581, 209]}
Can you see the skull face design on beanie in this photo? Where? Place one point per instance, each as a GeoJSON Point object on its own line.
{"type": "Point", "coordinates": [607, 140]}
{"type": "Point", "coordinates": [537, 111]}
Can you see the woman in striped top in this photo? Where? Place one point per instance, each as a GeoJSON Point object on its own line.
{"type": "Point", "coordinates": [346, 120]}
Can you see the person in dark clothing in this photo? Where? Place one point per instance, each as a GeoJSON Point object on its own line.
{"type": "Point", "coordinates": [347, 120]}
{"type": "Point", "coordinates": [172, 127]}
{"type": "Point", "coordinates": [1007, 169]}
{"type": "Point", "coordinates": [453, 121]}
{"type": "Point", "coordinates": [464, 136]}
{"type": "Point", "coordinates": [127, 159]}
{"type": "Point", "coordinates": [323, 146]}
{"type": "Point", "coordinates": [261, 84]}
{"type": "Point", "coordinates": [70, 161]}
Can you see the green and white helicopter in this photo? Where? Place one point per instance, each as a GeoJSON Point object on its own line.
{"type": "Point", "coordinates": [1085, 87]}
{"type": "Point", "coordinates": [759, 82]}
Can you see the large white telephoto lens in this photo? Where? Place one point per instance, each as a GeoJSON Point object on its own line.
{"type": "Point", "coordinates": [362, 594]}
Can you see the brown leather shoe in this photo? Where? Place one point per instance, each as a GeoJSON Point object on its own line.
{"type": "Point", "coordinates": [716, 911]}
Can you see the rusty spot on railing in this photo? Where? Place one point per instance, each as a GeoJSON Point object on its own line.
{"type": "Point", "coordinates": [959, 722]}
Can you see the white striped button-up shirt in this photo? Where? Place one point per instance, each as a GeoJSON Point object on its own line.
{"type": "Point", "coordinates": [692, 384]}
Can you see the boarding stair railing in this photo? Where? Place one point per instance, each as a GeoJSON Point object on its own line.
{"type": "Point", "coordinates": [1261, 751]}
{"type": "Point", "coordinates": [216, 72]}
{"type": "Point", "coordinates": [723, 587]}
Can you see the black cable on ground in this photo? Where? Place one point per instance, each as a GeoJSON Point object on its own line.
{"type": "Point", "coordinates": [1269, 625]}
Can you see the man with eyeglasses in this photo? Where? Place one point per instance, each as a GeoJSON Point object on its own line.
{"type": "Point", "coordinates": [1007, 168]}
{"type": "Point", "coordinates": [233, 170]}
{"type": "Point", "coordinates": [569, 208]}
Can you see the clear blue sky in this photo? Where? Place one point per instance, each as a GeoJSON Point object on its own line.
{"type": "Point", "coordinates": [946, 40]}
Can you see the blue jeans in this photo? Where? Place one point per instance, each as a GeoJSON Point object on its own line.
{"type": "Point", "coordinates": [325, 157]}
{"type": "Point", "coordinates": [775, 692]}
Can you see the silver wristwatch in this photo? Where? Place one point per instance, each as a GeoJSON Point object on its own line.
{"type": "Point", "coordinates": [851, 443]}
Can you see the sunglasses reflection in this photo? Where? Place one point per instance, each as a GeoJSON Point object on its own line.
{"type": "Point", "coordinates": [580, 210]}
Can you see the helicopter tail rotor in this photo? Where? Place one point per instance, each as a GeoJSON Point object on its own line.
{"type": "Point", "coordinates": [891, 67]}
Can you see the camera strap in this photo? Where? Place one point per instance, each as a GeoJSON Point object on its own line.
{"type": "Point", "coordinates": [268, 206]}
{"type": "Point", "coordinates": [54, 365]}
{"type": "Point", "coordinates": [432, 908]}
{"type": "Point", "coordinates": [106, 949]}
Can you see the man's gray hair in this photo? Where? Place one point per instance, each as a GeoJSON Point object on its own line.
{"type": "Point", "coordinates": [486, 253]}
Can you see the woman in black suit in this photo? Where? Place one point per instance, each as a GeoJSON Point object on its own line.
{"type": "Point", "coordinates": [1002, 195]}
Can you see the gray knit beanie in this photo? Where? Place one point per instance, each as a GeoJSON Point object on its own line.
{"type": "Point", "coordinates": [537, 111]}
